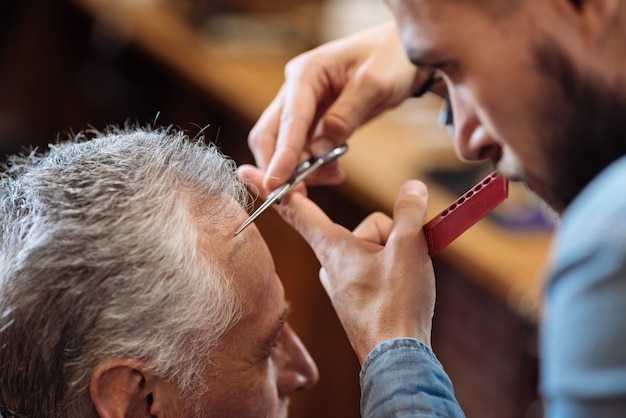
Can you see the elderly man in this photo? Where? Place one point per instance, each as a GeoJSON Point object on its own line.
{"type": "Point", "coordinates": [536, 86]}
{"type": "Point", "coordinates": [123, 292]}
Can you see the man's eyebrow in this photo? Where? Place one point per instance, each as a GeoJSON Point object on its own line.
{"type": "Point", "coordinates": [272, 337]}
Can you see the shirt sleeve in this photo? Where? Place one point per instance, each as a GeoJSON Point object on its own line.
{"type": "Point", "coordinates": [402, 378]}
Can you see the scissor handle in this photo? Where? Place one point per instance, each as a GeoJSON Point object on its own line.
{"type": "Point", "coordinates": [305, 168]}
{"type": "Point", "coordinates": [333, 154]}
{"type": "Point", "coordinates": [302, 171]}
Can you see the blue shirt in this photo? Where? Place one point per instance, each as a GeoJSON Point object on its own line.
{"type": "Point", "coordinates": [583, 342]}
{"type": "Point", "coordinates": [583, 330]}
{"type": "Point", "coordinates": [403, 378]}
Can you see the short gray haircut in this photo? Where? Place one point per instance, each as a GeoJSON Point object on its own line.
{"type": "Point", "coordinates": [99, 260]}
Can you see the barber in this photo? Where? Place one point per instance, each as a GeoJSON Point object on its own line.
{"type": "Point", "coordinates": [537, 87]}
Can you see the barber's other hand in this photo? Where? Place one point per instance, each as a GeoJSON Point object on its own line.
{"type": "Point", "coordinates": [328, 93]}
{"type": "Point", "coordinates": [380, 277]}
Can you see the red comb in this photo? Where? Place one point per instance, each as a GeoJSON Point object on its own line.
{"type": "Point", "coordinates": [465, 212]}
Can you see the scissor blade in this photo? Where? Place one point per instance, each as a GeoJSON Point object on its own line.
{"type": "Point", "coordinates": [271, 199]}
{"type": "Point", "coordinates": [303, 170]}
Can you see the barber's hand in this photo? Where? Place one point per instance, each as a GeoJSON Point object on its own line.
{"type": "Point", "coordinates": [328, 93]}
{"type": "Point", "coordinates": [380, 277]}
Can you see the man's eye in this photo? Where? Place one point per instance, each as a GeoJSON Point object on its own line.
{"type": "Point", "coordinates": [434, 77]}
{"type": "Point", "coordinates": [269, 347]}
{"type": "Point", "coordinates": [447, 69]}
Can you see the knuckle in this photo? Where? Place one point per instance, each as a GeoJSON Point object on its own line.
{"type": "Point", "coordinates": [254, 136]}
{"type": "Point", "coordinates": [335, 125]}
{"type": "Point", "coordinates": [409, 202]}
{"type": "Point", "coordinates": [296, 66]}
{"type": "Point", "coordinates": [378, 216]}
{"type": "Point", "coordinates": [373, 79]}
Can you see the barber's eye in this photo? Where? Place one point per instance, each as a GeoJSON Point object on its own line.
{"type": "Point", "coordinates": [433, 77]}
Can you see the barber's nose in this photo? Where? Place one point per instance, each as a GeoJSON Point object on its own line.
{"type": "Point", "coordinates": [471, 140]}
{"type": "Point", "coordinates": [296, 369]}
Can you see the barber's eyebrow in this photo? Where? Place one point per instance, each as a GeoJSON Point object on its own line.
{"type": "Point", "coordinates": [272, 337]}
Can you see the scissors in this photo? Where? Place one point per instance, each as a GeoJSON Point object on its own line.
{"type": "Point", "coordinates": [302, 171]}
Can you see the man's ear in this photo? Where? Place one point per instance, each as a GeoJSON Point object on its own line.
{"type": "Point", "coordinates": [120, 388]}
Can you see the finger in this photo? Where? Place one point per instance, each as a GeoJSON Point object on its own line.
{"type": "Point", "coordinates": [262, 136]}
{"type": "Point", "coordinates": [357, 103]}
{"type": "Point", "coordinates": [253, 178]}
{"type": "Point", "coordinates": [328, 175]}
{"type": "Point", "coordinates": [375, 228]}
{"type": "Point", "coordinates": [298, 110]}
{"type": "Point", "coordinates": [323, 235]}
{"type": "Point", "coordinates": [409, 213]}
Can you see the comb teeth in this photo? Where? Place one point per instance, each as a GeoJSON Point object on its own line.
{"type": "Point", "coordinates": [464, 212]}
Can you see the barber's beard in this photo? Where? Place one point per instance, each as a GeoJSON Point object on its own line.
{"type": "Point", "coordinates": [582, 126]}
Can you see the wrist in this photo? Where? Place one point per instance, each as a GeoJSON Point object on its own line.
{"type": "Point", "coordinates": [364, 348]}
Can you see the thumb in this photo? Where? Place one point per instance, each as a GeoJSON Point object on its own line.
{"type": "Point", "coordinates": [323, 235]}
{"type": "Point", "coordinates": [409, 213]}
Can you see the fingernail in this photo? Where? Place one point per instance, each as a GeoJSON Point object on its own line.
{"type": "Point", "coordinates": [416, 188]}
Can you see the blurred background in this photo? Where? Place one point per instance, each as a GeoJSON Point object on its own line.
{"type": "Point", "coordinates": [212, 66]}
{"type": "Point", "coordinates": [64, 64]}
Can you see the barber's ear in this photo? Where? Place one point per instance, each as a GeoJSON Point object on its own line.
{"type": "Point", "coordinates": [122, 388]}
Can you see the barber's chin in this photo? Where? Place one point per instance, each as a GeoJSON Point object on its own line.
{"type": "Point", "coordinates": [536, 189]}
{"type": "Point", "coordinates": [547, 198]}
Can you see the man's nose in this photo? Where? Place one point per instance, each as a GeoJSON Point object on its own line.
{"type": "Point", "coordinates": [296, 368]}
{"type": "Point", "coordinates": [471, 140]}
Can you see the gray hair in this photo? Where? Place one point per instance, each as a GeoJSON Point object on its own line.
{"type": "Point", "coordinates": [99, 260]}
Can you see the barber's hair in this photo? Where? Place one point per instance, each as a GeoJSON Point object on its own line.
{"type": "Point", "coordinates": [99, 259]}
